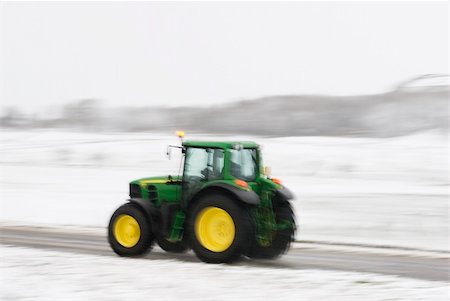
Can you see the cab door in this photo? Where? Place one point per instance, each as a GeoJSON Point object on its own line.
{"type": "Point", "coordinates": [201, 165]}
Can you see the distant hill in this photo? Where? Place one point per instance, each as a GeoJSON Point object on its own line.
{"type": "Point", "coordinates": [395, 113]}
{"type": "Point", "coordinates": [407, 109]}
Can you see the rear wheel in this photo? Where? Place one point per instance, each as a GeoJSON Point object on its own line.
{"type": "Point", "coordinates": [282, 238]}
{"type": "Point", "coordinates": [218, 229]}
{"type": "Point", "coordinates": [129, 231]}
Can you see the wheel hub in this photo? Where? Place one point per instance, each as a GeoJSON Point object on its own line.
{"type": "Point", "coordinates": [214, 229]}
{"type": "Point", "coordinates": [126, 230]}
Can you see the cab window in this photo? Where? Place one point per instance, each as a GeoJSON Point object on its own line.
{"type": "Point", "coordinates": [243, 164]}
{"type": "Point", "coordinates": [204, 163]}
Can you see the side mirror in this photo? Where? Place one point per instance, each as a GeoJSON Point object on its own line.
{"type": "Point", "coordinates": [169, 150]}
{"type": "Point", "coordinates": [267, 171]}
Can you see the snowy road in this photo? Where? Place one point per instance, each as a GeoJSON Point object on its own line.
{"type": "Point", "coordinates": [435, 267]}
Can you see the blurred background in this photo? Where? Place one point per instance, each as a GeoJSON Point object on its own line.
{"type": "Point", "coordinates": [350, 101]}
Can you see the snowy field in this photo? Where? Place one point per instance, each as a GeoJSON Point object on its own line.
{"type": "Point", "coordinates": [391, 191]}
{"type": "Point", "coordinates": [36, 275]}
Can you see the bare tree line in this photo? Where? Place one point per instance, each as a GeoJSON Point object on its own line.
{"type": "Point", "coordinates": [404, 110]}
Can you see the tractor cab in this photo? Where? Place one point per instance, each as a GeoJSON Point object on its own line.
{"type": "Point", "coordinates": [209, 163]}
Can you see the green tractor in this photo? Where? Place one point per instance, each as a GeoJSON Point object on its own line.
{"type": "Point", "coordinates": [223, 206]}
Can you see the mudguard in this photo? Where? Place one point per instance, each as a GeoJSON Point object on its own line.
{"type": "Point", "coordinates": [152, 213]}
{"type": "Point", "coordinates": [245, 196]}
{"type": "Point", "coordinates": [284, 194]}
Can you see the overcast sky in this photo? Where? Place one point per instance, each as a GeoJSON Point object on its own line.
{"type": "Point", "coordinates": [145, 53]}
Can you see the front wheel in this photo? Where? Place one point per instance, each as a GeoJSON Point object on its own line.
{"type": "Point", "coordinates": [129, 231]}
{"type": "Point", "coordinates": [218, 229]}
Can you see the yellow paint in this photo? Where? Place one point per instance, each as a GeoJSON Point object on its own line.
{"type": "Point", "coordinates": [126, 230]}
{"type": "Point", "coordinates": [214, 229]}
{"type": "Point", "coordinates": [153, 182]}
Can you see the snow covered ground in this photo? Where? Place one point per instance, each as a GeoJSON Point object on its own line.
{"type": "Point", "coordinates": [32, 274]}
{"type": "Point", "coordinates": [391, 191]}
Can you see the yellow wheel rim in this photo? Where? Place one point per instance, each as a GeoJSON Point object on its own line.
{"type": "Point", "coordinates": [214, 229]}
{"type": "Point", "coordinates": [126, 230]}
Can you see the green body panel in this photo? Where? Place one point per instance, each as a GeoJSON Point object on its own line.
{"type": "Point", "coordinates": [161, 189]}
{"type": "Point", "coordinates": [177, 227]}
{"type": "Point", "coordinates": [167, 190]}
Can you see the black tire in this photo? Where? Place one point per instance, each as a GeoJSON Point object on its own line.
{"type": "Point", "coordinates": [145, 236]}
{"type": "Point", "coordinates": [172, 247]}
{"type": "Point", "coordinates": [242, 228]}
{"type": "Point", "coordinates": [282, 239]}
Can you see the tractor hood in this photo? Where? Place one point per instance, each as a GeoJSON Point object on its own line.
{"type": "Point", "coordinates": [155, 180]}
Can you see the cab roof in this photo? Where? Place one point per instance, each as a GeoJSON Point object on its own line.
{"type": "Point", "coordinates": [219, 144]}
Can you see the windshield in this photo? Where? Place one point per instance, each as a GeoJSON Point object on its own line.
{"type": "Point", "coordinates": [243, 164]}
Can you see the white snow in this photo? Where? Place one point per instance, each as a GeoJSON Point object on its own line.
{"type": "Point", "coordinates": [391, 191]}
{"type": "Point", "coordinates": [32, 274]}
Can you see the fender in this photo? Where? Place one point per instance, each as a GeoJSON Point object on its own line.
{"type": "Point", "coordinates": [245, 196]}
{"type": "Point", "coordinates": [149, 209]}
{"type": "Point", "coordinates": [282, 196]}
